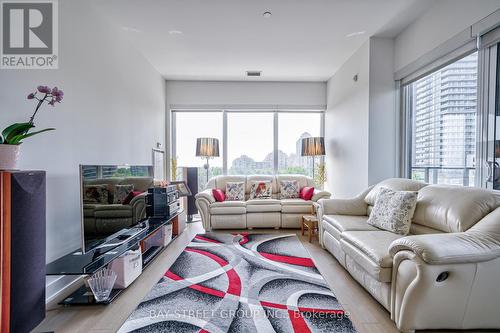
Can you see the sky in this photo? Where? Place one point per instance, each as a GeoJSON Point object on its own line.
{"type": "Point", "coordinates": [248, 133]}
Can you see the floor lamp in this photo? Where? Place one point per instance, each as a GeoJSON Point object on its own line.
{"type": "Point", "coordinates": [207, 148]}
{"type": "Point", "coordinates": [313, 146]}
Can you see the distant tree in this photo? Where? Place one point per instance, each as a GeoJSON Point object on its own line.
{"type": "Point", "coordinates": [294, 170]}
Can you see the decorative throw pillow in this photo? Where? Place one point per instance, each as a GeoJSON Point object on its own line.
{"type": "Point", "coordinates": [130, 196]}
{"type": "Point", "coordinates": [95, 194]}
{"type": "Point", "coordinates": [261, 190]}
{"type": "Point", "coordinates": [235, 191]}
{"type": "Point", "coordinates": [306, 192]}
{"type": "Point", "coordinates": [393, 210]}
{"type": "Point", "coordinates": [121, 192]}
{"type": "Point", "coordinates": [218, 195]}
{"type": "Point", "coordinates": [289, 189]}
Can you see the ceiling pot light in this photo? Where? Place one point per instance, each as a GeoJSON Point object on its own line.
{"type": "Point", "coordinates": [267, 14]}
{"type": "Point", "coordinates": [175, 32]}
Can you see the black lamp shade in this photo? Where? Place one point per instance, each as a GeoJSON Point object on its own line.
{"type": "Point", "coordinates": [313, 146]}
{"type": "Point", "coordinates": [207, 147]}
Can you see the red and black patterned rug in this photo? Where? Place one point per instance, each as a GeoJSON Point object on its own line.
{"type": "Point", "coordinates": [241, 283]}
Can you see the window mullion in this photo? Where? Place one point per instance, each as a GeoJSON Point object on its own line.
{"type": "Point", "coordinates": [275, 140]}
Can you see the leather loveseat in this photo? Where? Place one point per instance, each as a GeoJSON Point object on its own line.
{"type": "Point", "coordinates": [444, 275]}
{"type": "Point", "coordinates": [107, 218]}
{"type": "Point", "coordinates": [256, 213]}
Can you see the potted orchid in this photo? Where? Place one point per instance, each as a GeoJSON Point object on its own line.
{"type": "Point", "coordinates": [12, 136]}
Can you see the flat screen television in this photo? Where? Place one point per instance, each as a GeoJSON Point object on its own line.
{"type": "Point", "coordinates": [112, 198]}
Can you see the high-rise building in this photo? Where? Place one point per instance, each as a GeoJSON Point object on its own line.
{"type": "Point", "coordinates": [444, 111]}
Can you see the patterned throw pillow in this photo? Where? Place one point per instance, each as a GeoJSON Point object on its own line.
{"type": "Point", "coordinates": [121, 192]}
{"type": "Point", "coordinates": [261, 190]}
{"type": "Point", "coordinates": [96, 194]}
{"type": "Point", "coordinates": [289, 189]}
{"type": "Point", "coordinates": [393, 210]}
{"type": "Point", "coordinates": [235, 191]}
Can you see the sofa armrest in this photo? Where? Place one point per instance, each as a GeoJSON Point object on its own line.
{"type": "Point", "coordinates": [138, 204]}
{"type": "Point", "coordinates": [203, 201]}
{"type": "Point", "coordinates": [479, 243]}
{"type": "Point", "coordinates": [206, 194]}
{"type": "Point", "coordinates": [319, 194]}
{"type": "Point", "coordinates": [452, 248]}
{"type": "Point", "coordinates": [354, 206]}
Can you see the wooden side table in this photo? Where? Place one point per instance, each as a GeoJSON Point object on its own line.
{"type": "Point", "coordinates": [309, 223]}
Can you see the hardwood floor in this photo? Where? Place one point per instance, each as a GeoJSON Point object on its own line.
{"type": "Point", "coordinates": [366, 313]}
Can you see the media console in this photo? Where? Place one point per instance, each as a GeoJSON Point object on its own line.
{"type": "Point", "coordinates": [79, 263]}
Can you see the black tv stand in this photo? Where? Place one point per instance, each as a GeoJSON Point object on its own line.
{"type": "Point", "coordinates": [79, 263]}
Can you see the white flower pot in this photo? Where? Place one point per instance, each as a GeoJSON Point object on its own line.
{"type": "Point", "coordinates": [9, 155]}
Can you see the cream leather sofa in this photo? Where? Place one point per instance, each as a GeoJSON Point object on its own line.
{"type": "Point", "coordinates": [255, 213]}
{"type": "Point", "coordinates": [444, 275]}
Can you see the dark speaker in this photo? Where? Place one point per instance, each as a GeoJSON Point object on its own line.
{"type": "Point", "coordinates": [192, 182]}
{"type": "Point", "coordinates": [156, 202]}
{"type": "Point", "coordinates": [22, 246]}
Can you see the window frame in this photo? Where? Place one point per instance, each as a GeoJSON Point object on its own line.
{"type": "Point", "coordinates": [405, 98]}
{"type": "Point", "coordinates": [227, 110]}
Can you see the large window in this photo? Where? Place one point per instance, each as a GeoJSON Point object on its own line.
{"type": "Point", "coordinates": [292, 128]}
{"type": "Point", "coordinates": [251, 142]}
{"type": "Point", "coordinates": [250, 148]}
{"type": "Point", "coordinates": [188, 127]}
{"type": "Point", "coordinates": [442, 111]}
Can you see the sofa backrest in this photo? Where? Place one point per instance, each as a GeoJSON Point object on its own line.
{"type": "Point", "coordinates": [441, 208]}
{"type": "Point", "coordinates": [395, 184]}
{"type": "Point", "coordinates": [453, 208]}
{"type": "Point", "coordinates": [221, 181]}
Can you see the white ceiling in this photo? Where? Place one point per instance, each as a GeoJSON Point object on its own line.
{"type": "Point", "coordinates": [303, 40]}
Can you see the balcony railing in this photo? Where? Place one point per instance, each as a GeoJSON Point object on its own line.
{"type": "Point", "coordinates": [464, 176]}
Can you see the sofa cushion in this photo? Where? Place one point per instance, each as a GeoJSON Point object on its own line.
{"type": "Point", "coordinates": [395, 184]}
{"type": "Point", "coordinates": [453, 208]}
{"type": "Point", "coordinates": [218, 195]}
{"type": "Point", "coordinates": [348, 223]}
{"type": "Point", "coordinates": [261, 189]}
{"type": "Point", "coordinates": [306, 192]}
{"type": "Point", "coordinates": [221, 181]}
{"type": "Point", "coordinates": [301, 179]}
{"type": "Point", "coordinates": [374, 244]}
{"type": "Point", "coordinates": [261, 178]}
{"type": "Point", "coordinates": [228, 207]}
{"type": "Point", "coordinates": [235, 191]}
{"type": "Point", "coordinates": [140, 183]}
{"type": "Point", "coordinates": [393, 210]}
{"type": "Point", "coordinates": [370, 250]}
{"type": "Point", "coordinates": [296, 206]}
{"type": "Point", "coordinates": [263, 205]}
{"type": "Point", "coordinates": [289, 189]}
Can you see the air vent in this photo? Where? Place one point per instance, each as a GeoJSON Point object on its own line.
{"type": "Point", "coordinates": [254, 73]}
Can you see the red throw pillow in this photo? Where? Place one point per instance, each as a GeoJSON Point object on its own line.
{"type": "Point", "coordinates": [306, 192]}
{"type": "Point", "coordinates": [130, 196]}
{"type": "Point", "coordinates": [218, 195]}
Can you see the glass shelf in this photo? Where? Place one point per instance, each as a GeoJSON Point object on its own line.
{"type": "Point", "coordinates": [79, 263]}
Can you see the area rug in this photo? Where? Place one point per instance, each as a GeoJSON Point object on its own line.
{"type": "Point", "coordinates": [241, 283]}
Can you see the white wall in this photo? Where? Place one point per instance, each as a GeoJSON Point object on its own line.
{"type": "Point", "coordinates": [443, 20]}
{"type": "Point", "coordinates": [382, 116]}
{"type": "Point", "coordinates": [112, 112]}
{"type": "Point", "coordinates": [346, 126]}
{"type": "Point", "coordinates": [245, 93]}
{"type": "Point", "coordinates": [360, 122]}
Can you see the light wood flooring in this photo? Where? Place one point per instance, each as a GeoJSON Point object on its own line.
{"type": "Point", "coordinates": [366, 313]}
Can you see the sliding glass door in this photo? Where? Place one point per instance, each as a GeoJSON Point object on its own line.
{"type": "Point", "coordinates": [442, 108]}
